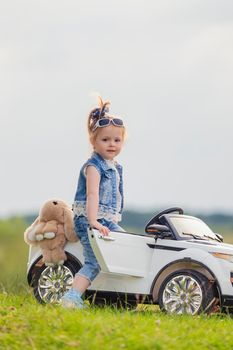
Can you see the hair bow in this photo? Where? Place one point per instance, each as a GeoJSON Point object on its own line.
{"type": "Point", "coordinates": [98, 113]}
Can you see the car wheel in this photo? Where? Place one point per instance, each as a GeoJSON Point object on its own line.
{"type": "Point", "coordinates": [186, 292]}
{"type": "Point", "coordinates": [50, 283]}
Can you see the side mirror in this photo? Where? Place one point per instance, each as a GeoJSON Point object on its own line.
{"type": "Point", "coordinates": [159, 229]}
{"type": "Point", "coordinates": [220, 237]}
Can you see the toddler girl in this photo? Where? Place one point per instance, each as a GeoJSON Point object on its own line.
{"type": "Point", "coordinates": [99, 196]}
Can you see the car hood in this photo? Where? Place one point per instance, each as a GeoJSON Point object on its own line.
{"type": "Point", "coordinates": [211, 246]}
{"type": "Point", "coordinates": [205, 245]}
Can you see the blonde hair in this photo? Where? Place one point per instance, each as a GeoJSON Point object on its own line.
{"type": "Point", "coordinates": [95, 114]}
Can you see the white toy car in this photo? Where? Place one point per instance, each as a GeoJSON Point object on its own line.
{"type": "Point", "coordinates": [179, 263]}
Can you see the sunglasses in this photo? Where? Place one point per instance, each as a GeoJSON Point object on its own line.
{"type": "Point", "coordinates": [101, 123]}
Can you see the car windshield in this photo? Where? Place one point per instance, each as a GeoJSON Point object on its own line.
{"type": "Point", "coordinates": [190, 226]}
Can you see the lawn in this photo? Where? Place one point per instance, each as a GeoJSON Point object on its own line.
{"type": "Point", "coordinates": [25, 324]}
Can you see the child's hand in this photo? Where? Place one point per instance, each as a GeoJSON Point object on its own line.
{"type": "Point", "coordinates": [102, 229]}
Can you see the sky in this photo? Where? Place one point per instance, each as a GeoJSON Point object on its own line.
{"type": "Point", "coordinates": [165, 65]}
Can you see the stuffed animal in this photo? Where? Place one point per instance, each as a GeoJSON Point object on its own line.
{"type": "Point", "coordinates": [51, 230]}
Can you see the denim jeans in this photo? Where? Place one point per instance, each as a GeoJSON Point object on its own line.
{"type": "Point", "coordinates": [90, 268]}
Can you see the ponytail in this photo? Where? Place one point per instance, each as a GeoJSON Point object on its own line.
{"type": "Point", "coordinates": [96, 114]}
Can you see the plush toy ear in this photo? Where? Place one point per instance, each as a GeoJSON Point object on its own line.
{"type": "Point", "coordinates": [69, 226]}
{"type": "Point", "coordinates": [29, 234]}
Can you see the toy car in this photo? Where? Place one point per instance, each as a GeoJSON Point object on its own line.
{"type": "Point", "coordinates": [178, 263]}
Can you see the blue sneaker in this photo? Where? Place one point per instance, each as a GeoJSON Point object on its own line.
{"type": "Point", "coordinates": [72, 300]}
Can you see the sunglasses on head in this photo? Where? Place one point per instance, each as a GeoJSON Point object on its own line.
{"type": "Point", "coordinates": [101, 123]}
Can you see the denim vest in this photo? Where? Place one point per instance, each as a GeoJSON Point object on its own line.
{"type": "Point", "coordinates": [107, 190]}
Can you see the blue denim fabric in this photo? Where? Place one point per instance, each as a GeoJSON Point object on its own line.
{"type": "Point", "coordinates": [90, 268]}
{"type": "Point", "coordinates": [107, 187]}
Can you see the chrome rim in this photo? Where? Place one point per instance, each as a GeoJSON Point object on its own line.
{"type": "Point", "coordinates": [54, 282]}
{"type": "Point", "coordinates": [182, 295]}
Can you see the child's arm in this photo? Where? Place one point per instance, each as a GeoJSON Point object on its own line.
{"type": "Point", "coordinates": [93, 181]}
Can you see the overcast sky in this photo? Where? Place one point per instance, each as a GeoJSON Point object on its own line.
{"type": "Point", "coordinates": [165, 65]}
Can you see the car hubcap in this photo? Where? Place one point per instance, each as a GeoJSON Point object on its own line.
{"type": "Point", "coordinates": [182, 295]}
{"type": "Point", "coordinates": [54, 282]}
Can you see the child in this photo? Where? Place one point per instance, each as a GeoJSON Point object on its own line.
{"type": "Point", "coordinates": [99, 196]}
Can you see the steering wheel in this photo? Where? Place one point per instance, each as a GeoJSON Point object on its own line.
{"type": "Point", "coordinates": [155, 219]}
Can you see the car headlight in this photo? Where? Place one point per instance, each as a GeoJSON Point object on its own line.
{"type": "Point", "coordinates": [223, 256]}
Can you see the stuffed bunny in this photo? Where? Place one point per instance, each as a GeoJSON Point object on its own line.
{"type": "Point", "coordinates": [51, 230]}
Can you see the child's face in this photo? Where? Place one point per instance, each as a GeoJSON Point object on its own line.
{"type": "Point", "coordinates": [108, 141]}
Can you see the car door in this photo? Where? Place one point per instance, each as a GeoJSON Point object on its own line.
{"type": "Point", "coordinates": [123, 252]}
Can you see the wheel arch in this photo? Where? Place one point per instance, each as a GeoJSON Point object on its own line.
{"type": "Point", "coordinates": [183, 264]}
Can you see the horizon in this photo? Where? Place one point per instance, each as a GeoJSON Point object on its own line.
{"type": "Point", "coordinates": [187, 211]}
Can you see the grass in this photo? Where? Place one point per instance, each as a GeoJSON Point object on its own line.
{"type": "Point", "coordinates": [28, 325]}
{"type": "Point", "coordinates": [13, 255]}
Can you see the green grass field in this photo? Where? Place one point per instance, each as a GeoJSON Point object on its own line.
{"type": "Point", "coordinates": [13, 255]}
{"type": "Point", "coordinates": [25, 324]}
